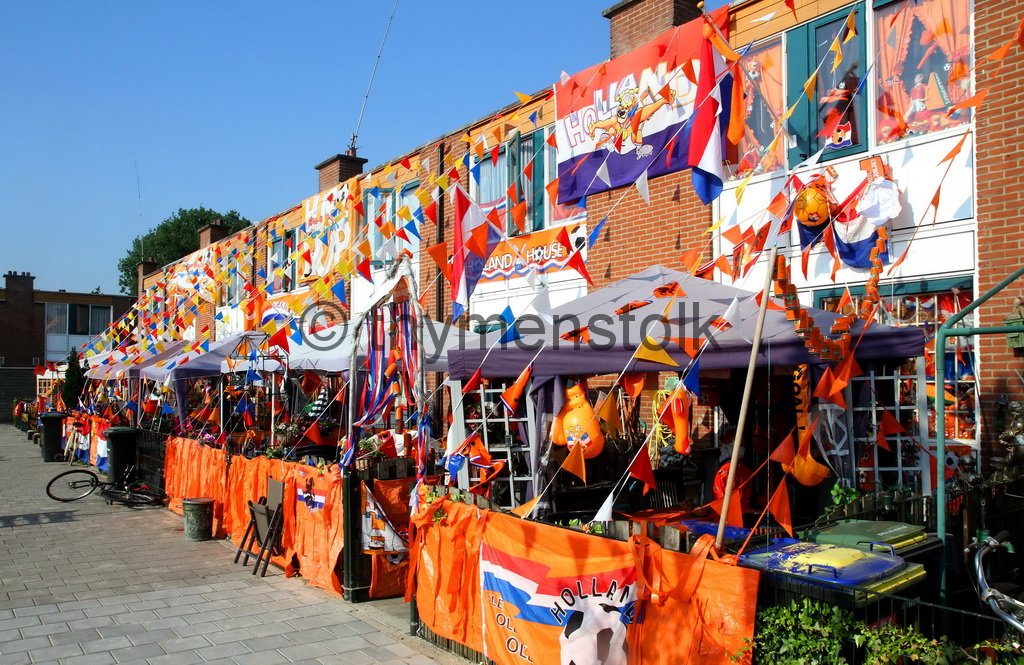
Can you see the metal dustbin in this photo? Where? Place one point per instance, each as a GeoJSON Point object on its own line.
{"type": "Point", "coordinates": [121, 448]}
{"type": "Point", "coordinates": [53, 434]}
{"type": "Point", "coordinates": [198, 518]}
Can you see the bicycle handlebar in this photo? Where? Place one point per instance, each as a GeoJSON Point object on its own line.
{"type": "Point", "coordinates": [994, 598]}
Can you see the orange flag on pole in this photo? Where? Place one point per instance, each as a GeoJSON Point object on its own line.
{"type": "Point", "coordinates": [805, 468]}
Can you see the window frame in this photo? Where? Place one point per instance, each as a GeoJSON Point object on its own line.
{"type": "Point", "coordinates": [289, 282]}
{"type": "Point", "coordinates": [539, 208]}
{"type": "Point", "coordinates": [394, 199]}
{"type": "Point", "coordinates": [799, 49]}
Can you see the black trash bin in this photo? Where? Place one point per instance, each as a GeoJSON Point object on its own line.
{"type": "Point", "coordinates": [122, 445]}
{"type": "Point", "coordinates": [53, 434]}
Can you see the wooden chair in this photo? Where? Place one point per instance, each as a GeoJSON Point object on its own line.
{"type": "Point", "coordinates": [266, 517]}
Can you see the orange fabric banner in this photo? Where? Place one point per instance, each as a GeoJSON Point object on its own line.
{"type": "Point", "coordinates": [447, 573]}
{"type": "Point", "coordinates": [318, 531]}
{"type": "Point", "coordinates": [191, 471]}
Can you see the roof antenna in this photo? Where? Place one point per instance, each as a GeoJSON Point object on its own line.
{"type": "Point", "coordinates": [142, 231]}
{"type": "Point", "coordinates": [352, 145]}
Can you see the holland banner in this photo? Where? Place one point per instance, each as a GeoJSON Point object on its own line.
{"type": "Point", "coordinates": [635, 114]}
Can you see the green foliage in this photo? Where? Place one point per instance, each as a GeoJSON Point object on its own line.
{"type": "Point", "coordinates": [173, 238]}
{"type": "Point", "coordinates": [74, 381]}
{"type": "Point", "coordinates": [808, 632]}
{"type": "Point", "coordinates": [803, 633]}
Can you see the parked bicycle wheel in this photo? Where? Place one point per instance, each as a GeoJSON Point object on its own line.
{"type": "Point", "coordinates": [133, 496]}
{"type": "Point", "coordinates": [72, 485]}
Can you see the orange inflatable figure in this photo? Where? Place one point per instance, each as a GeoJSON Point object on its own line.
{"type": "Point", "coordinates": [577, 424]}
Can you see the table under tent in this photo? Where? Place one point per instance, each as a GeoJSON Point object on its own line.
{"type": "Point", "coordinates": [697, 332]}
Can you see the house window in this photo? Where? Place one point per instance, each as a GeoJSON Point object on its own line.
{"type": "Point", "coordinates": [529, 162]}
{"type": "Point", "coordinates": [56, 318]}
{"type": "Point", "coordinates": [763, 105]}
{"type": "Point", "coordinates": [382, 208]}
{"type": "Point", "coordinates": [99, 318]}
{"type": "Point", "coordinates": [234, 284]}
{"type": "Point", "coordinates": [923, 66]}
{"type": "Point", "coordinates": [835, 119]}
{"type": "Point", "coordinates": [928, 304]}
{"type": "Point", "coordinates": [282, 262]}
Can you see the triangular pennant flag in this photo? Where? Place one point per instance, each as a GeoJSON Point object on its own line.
{"type": "Point", "coordinates": [575, 464]}
{"type": "Point", "coordinates": [602, 173]}
{"type": "Point", "coordinates": [604, 513]}
{"type": "Point", "coordinates": [510, 396]}
{"type": "Point", "coordinates": [510, 334]}
{"type": "Point", "coordinates": [595, 233]}
{"type": "Point", "coordinates": [474, 381]}
{"type": "Point", "coordinates": [785, 451]}
{"type": "Point", "coordinates": [608, 412]}
{"type": "Point", "coordinates": [642, 188]}
{"type": "Point", "coordinates": [641, 469]}
{"type": "Point", "coordinates": [692, 379]}
{"type": "Point", "coordinates": [524, 510]}
{"type": "Point", "coordinates": [779, 507]}
{"type": "Point", "coordinates": [651, 351]}
{"type": "Point", "coordinates": [735, 516]}
{"type": "Point", "coordinates": [844, 301]}
{"type": "Point", "coordinates": [280, 339]}
{"type": "Point", "coordinates": [312, 433]}
{"type": "Point", "coordinates": [805, 468]}
{"type": "Point", "coordinates": [439, 253]}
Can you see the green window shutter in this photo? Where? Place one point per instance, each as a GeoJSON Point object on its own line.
{"type": "Point", "coordinates": [798, 68]}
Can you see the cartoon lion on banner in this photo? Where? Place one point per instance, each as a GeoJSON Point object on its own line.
{"type": "Point", "coordinates": [627, 122]}
{"type": "Point", "coordinates": [594, 636]}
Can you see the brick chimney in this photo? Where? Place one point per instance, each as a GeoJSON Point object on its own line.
{"type": "Point", "coordinates": [213, 232]}
{"type": "Point", "coordinates": [636, 22]}
{"type": "Point", "coordinates": [144, 267]}
{"type": "Point", "coordinates": [339, 168]}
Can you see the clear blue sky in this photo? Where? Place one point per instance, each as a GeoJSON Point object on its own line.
{"type": "Point", "coordinates": [229, 105]}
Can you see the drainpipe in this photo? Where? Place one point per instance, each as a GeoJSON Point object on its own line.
{"type": "Point", "coordinates": [944, 331]}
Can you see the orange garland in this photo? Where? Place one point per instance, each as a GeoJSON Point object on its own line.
{"type": "Point", "coordinates": [832, 349]}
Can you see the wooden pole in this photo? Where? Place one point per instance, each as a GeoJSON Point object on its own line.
{"type": "Point", "coordinates": [745, 404]}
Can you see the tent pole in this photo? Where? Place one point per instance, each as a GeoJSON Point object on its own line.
{"type": "Point", "coordinates": [745, 404]}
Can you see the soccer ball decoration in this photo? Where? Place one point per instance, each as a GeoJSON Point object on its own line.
{"type": "Point", "coordinates": [814, 205]}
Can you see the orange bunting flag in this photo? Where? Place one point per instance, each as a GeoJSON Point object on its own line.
{"type": "Point", "coordinates": [691, 260]}
{"type": "Point", "coordinates": [641, 469]}
{"type": "Point", "coordinates": [837, 51]}
{"type": "Point", "coordinates": [519, 216]}
{"type": "Point", "coordinates": [778, 506]}
{"type": "Point", "coordinates": [805, 468]}
{"type": "Point", "coordinates": [551, 141]}
{"type": "Point", "coordinates": [785, 451]}
{"type": "Point", "coordinates": [552, 189]}
{"type": "Point", "coordinates": [888, 426]}
{"type": "Point", "coordinates": [608, 412]}
{"type": "Point", "coordinates": [523, 99]}
{"type": "Point", "coordinates": [973, 100]}
{"type": "Point", "coordinates": [956, 149]}
{"type": "Point", "coordinates": [844, 301]}
{"type": "Point", "coordinates": [851, 27]}
{"type": "Point", "coordinates": [651, 351]}
{"type": "Point", "coordinates": [1001, 52]}
{"type": "Point", "coordinates": [575, 464]}
{"type": "Point", "coordinates": [439, 253]}
{"type": "Point", "coordinates": [313, 434]}
{"type": "Point", "coordinates": [474, 381]}
{"type": "Point", "coordinates": [524, 510]}
{"type": "Point", "coordinates": [689, 71]}
{"type": "Point", "coordinates": [691, 345]}
{"type": "Point", "coordinates": [735, 516]}
{"type": "Point", "coordinates": [809, 86]}
{"type": "Point", "coordinates": [772, 305]}
{"type": "Point", "coordinates": [511, 395]}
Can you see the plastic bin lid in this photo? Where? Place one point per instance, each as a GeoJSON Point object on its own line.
{"type": "Point", "coordinates": [123, 430]}
{"type": "Point", "coordinates": [53, 414]}
{"type": "Point", "coordinates": [198, 500]}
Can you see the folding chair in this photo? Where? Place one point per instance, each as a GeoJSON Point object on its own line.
{"type": "Point", "coordinates": [266, 517]}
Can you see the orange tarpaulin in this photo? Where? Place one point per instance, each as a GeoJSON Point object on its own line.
{"type": "Point", "coordinates": [318, 529]}
{"type": "Point", "coordinates": [447, 577]}
{"type": "Point", "coordinates": [191, 471]}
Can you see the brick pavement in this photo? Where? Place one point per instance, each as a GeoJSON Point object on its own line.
{"type": "Point", "coordinates": [85, 583]}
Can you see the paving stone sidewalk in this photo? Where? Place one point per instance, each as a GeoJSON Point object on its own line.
{"type": "Point", "coordinates": [85, 583]}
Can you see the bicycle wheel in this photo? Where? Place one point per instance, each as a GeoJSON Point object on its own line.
{"type": "Point", "coordinates": [72, 485]}
{"type": "Point", "coordinates": [132, 497]}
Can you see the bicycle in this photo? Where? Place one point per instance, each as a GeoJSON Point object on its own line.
{"type": "Point", "coordinates": [1009, 609]}
{"type": "Point", "coordinates": [79, 483]}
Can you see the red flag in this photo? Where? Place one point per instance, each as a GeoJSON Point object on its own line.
{"type": "Point", "coordinates": [474, 381]}
{"type": "Point", "coordinates": [888, 426]}
{"type": "Point", "coordinates": [844, 301]}
{"type": "Point", "coordinates": [785, 451]}
{"type": "Point", "coordinates": [778, 506]}
{"type": "Point", "coordinates": [313, 434]}
{"type": "Point", "coordinates": [642, 471]}
{"type": "Point", "coordinates": [280, 338]}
